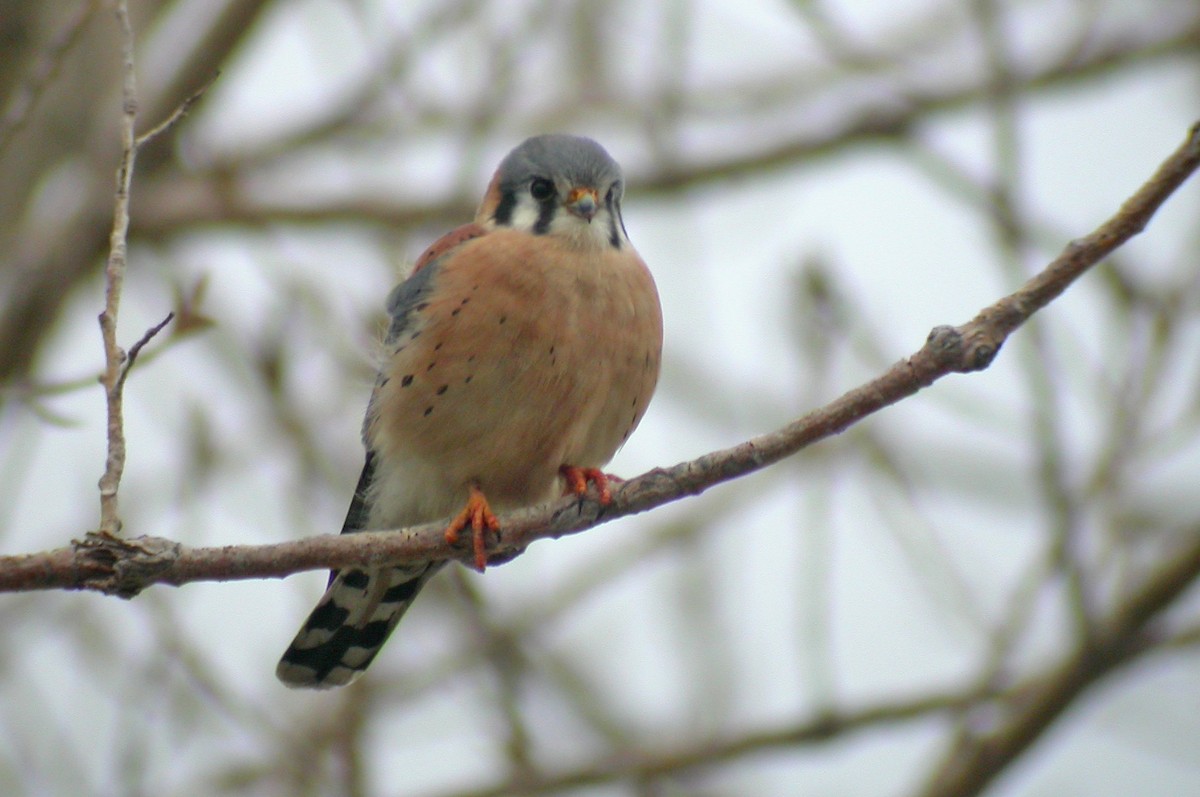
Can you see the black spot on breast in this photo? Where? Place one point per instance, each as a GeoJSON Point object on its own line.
{"type": "Point", "coordinates": [428, 410]}
{"type": "Point", "coordinates": [503, 318]}
{"type": "Point", "coordinates": [435, 348]}
{"type": "Point", "coordinates": [442, 389]}
{"type": "Point", "coordinates": [456, 311]}
{"type": "Point", "coordinates": [471, 359]}
{"type": "Point", "coordinates": [430, 368]}
{"type": "Point", "coordinates": [406, 381]}
{"type": "Point", "coordinates": [467, 381]}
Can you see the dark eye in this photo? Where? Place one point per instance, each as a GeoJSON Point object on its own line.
{"type": "Point", "coordinates": [541, 189]}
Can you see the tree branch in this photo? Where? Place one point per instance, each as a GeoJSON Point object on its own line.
{"type": "Point", "coordinates": [1030, 706]}
{"type": "Point", "coordinates": [46, 67]}
{"type": "Point", "coordinates": [976, 759]}
{"type": "Point", "coordinates": [114, 277]}
{"type": "Point", "coordinates": [125, 567]}
{"type": "Point", "coordinates": [208, 195]}
{"type": "Point", "coordinates": [652, 763]}
{"type": "Point", "coordinates": [117, 363]}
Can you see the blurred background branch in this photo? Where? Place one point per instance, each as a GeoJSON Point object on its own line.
{"type": "Point", "coordinates": [905, 608]}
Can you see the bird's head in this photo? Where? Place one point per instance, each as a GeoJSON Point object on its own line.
{"type": "Point", "coordinates": [560, 185]}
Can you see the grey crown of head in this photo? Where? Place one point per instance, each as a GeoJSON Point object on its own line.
{"type": "Point", "coordinates": [577, 160]}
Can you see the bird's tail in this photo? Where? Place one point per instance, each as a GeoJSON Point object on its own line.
{"type": "Point", "coordinates": [349, 625]}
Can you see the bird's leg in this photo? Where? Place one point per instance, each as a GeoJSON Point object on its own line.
{"type": "Point", "coordinates": [578, 478]}
{"type": "Point", "coordinates": [478, 515]}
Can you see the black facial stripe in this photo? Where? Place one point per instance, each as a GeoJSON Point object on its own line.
{"type": "Point", "coordinates": [545, 216]}
{"type": "Point", "coordinates": [614, 218]}
{"type": "Point", "coordinates": [504, 210]}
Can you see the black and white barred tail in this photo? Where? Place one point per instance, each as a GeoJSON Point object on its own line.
{"type": "Point", "coordinates": [350, 624]}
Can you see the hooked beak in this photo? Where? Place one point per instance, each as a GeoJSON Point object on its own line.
{"type": "Point", "coordinates": [583, 203]}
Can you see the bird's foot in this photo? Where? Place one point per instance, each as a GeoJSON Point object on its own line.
{"type": "Point", "coordinates": [577, 482]}
{"type": "Point", "coordinates": [478, 515]}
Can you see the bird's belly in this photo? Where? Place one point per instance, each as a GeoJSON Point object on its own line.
{"type": "Point", "coordinates": [500, 389]}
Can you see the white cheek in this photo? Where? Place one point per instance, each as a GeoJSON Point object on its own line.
{"type": "Point", "coordinates": [525, 216]}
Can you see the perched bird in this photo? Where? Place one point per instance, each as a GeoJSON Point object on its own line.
{"type": "Point", "coordinates": [522, 353]}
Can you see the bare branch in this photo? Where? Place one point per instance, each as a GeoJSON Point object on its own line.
{"type": "Point", "coordinates": [136, 349]}
{"type": "Point", "coordinates": [210, 196]}
{"type": "Point", "coordinates": [657, 763]}
{"type": "Point", "coordinates": [180, 111]}
{"type": "Point", "coordinates": [975, 760]}
{"type": "Point", "coordinates": [117, 363]}
{"type": "Point", "coordinates": [1034, 705]}
{"type": "Point", "coordinates": [127, 567]}
{"type": "Point", "coordinates": [47, 66]}
{"type": "Point", "coordinates": [114, 277]}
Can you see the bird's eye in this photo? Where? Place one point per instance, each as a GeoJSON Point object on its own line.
{"type": "Point", "coordinates": [541, 189]}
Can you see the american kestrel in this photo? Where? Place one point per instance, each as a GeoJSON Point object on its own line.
{"type": "Point", "coordinates": [522, 353]}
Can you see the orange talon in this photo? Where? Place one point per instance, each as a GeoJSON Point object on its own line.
{"type": "Point", "coordinates": [478, 515]}
{"type": "Point", "coordinates": [578, 478]}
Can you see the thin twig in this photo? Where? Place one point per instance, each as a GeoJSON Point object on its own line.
{"type": "Point", "coordinates": [180, 111]}
{"type": "Point", "coordinates": [136, 348]}
{"type": "Point", "coordinates": [114, 276]}
{"type": "Point", "coordinates": [117, 363]}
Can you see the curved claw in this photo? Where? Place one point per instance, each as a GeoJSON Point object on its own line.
{"type": "Point", "coordinates": [479, 516]}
